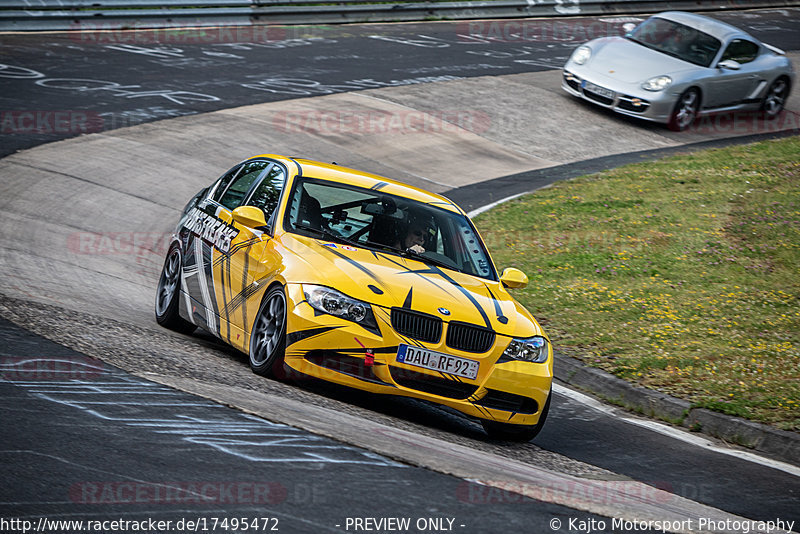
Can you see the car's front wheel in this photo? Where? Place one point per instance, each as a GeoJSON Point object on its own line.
{"type": "Point", "coordinates": [523, 433]}
{"type": "Point", "coordinates": [775, 99]}
{"type": "Point", "coordinates": [685, 111]}
{"type": "Point", "coordinates": [268, 338]}
{"type": "Point", "coordinates": [168, 294]}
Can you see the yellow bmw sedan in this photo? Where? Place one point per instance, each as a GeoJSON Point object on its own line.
{"type": "Point", "coordinates": [359, 280]}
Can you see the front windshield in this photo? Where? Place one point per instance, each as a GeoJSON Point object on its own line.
{"type": "Point", "coordinates": [367, 218]}
{"type": "Point", "coordinates": [677, 40]}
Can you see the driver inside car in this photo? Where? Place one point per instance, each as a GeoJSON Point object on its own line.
{"type": "Point", "coordinates": [416, 234]}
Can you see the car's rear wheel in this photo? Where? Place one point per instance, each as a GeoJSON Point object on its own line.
{"type": "Point", "coordinates": [509, 432]}
{"type": "Point", "coordinates": [268, 338]}
{"type": "Point", "coordinates": [775, 99]}
{"type": "Point", "coordinates": [685, 111]}
{"type": "Point", "coordinates": [168, 294]}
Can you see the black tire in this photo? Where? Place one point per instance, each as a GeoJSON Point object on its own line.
{"type": "Point", "coordinates": [685, 112]}
{"type": "Point", "coordinates": [522, 433]}
{"type": "Point", "coordinates": [168, 294]}
{"type": "Point", "coordinates": [268, 338]}
{"type": "Point", "coordinates": [775, 99]}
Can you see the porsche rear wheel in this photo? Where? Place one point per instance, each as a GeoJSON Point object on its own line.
{"type": "Point", "coordinates": [523, 433]}
{"type": "Point", "coordinates": [685, 111]}
{"type": "Point", "coordinates": [775, 98]}
{"type": "Point", "coordinates": [268, 338]}
{"type": "Point", "coordinates": [168, 294]}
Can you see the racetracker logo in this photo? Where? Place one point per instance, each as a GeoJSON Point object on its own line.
{"type": "Point", "coordinates": [177, 493]}
{"type": "Point", "coordinates": [746, 123]}
{"type": "Point", "coordinates": [118, 243]}
{"type": "Point", "coordinates": [50, 369]}
{"type": "Point", "coordinates": [50, 122]}
{"type": "Point", "coordinates": [543, 31]}
{"type": "Point", "coordinates": [111, 34]}
{"type": "Point", "coordinates": [578, 493]}
{"type": "Point", "coordinates": [334, 123]}
{"type": "Point", "coordinates": [145, 249]}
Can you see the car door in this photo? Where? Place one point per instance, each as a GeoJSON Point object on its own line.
{"type": "Point", "coordinates": [201, 232]}
{"type": "Point", "coordinates": [209, 238]}
{"type": "Point", "coordinates": [245, 270]}
{"type": "Point", "coordinates": [730, 86]}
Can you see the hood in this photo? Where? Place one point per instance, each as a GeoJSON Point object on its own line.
{"type": "Point", "coordinates": [628, 62]}
{"type": "Point", "coordinates": [388, 280]}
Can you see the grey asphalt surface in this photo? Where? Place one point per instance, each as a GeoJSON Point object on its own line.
{"type": "Point", "coordinates": [575, 440]}
{"type": "Point", "coordinates": [480, 194]}
{"type": "Point", "coordinates": [84, 441]}
{"type": "Point", "coordinates": [125, 78]}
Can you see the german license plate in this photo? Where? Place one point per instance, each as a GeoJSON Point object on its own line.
{"type": "Point", "coordinates": [596, 89]}
{"type": "Point", "coordinates": [436, 361]}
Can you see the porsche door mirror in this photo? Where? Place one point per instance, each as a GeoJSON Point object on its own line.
{"type": "Point", "coordinates": [729, 64]}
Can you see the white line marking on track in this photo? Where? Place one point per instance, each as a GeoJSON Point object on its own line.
{"type": "Point", "coordinates": [675, 432]}
{"type": "Point", "coordinates": [487, 207]}
{"type": "Point", "coordinates": [654, 426]}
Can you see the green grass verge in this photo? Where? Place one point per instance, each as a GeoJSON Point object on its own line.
{"type": "Point", "coordinates": [681, 275]}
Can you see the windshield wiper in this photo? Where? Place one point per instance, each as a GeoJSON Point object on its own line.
{"type": "Point", "coordinates": [637, 41]}
{"type": "Point", "coordinates": [408, 253]}
{"type": "Point", "coordinates": [321, 233]}
{"type": "Point", "coordinates": [662, 50]}
{"type": "Point", "coordinates": [438, 263]}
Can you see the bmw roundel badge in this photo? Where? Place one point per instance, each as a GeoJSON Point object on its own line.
{"type": "Point", "coordinates": [444, 311]}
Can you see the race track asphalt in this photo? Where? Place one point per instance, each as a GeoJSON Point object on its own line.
{"type": "Point", "coordinates": [84, 221]}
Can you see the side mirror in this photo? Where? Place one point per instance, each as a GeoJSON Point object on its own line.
{"type": "Point", "coordinates": [514, 278]}
{"type": "Point", "coordinates": [249, 216]}
{"type": "Point", "coordinates": [729, 64]}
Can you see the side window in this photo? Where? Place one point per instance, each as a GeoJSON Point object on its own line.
{"type": "Point", "coordinates": [269, 190]}
{"type": "Point", "coordinates": [224, 182]}
{"type": "Point", "coordinates": [238, 190]}
{"type": "Point", "coordinates": [741, 51]}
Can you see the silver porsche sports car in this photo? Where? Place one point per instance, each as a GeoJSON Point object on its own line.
{"type": "Point", "coordinates": [676, 66]}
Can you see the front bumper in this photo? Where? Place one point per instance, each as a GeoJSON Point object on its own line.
{"type": "Point", "coordinates": [631, 101]}
{"type": "Point", "coordinates": [330, 348]}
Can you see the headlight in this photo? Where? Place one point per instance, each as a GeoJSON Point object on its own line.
{"type": "Point", "coordinates": [581, 55]}
{"type": "Point", "coordinates": [530, 350]}
{"type": "Point", "coordinates": [659, 83]}
{"type": "Point", "coordinates": [333, 302]}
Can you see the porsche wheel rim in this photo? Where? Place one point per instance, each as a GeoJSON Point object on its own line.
{"type": "Point", "coordinates": [776, 98]}
{"type": "Point", "coordinates": [268, 329]}
{"type": "Point", "coordinates": [687, 110]}
{"type": "Point", "coordinates": [169, 281]}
